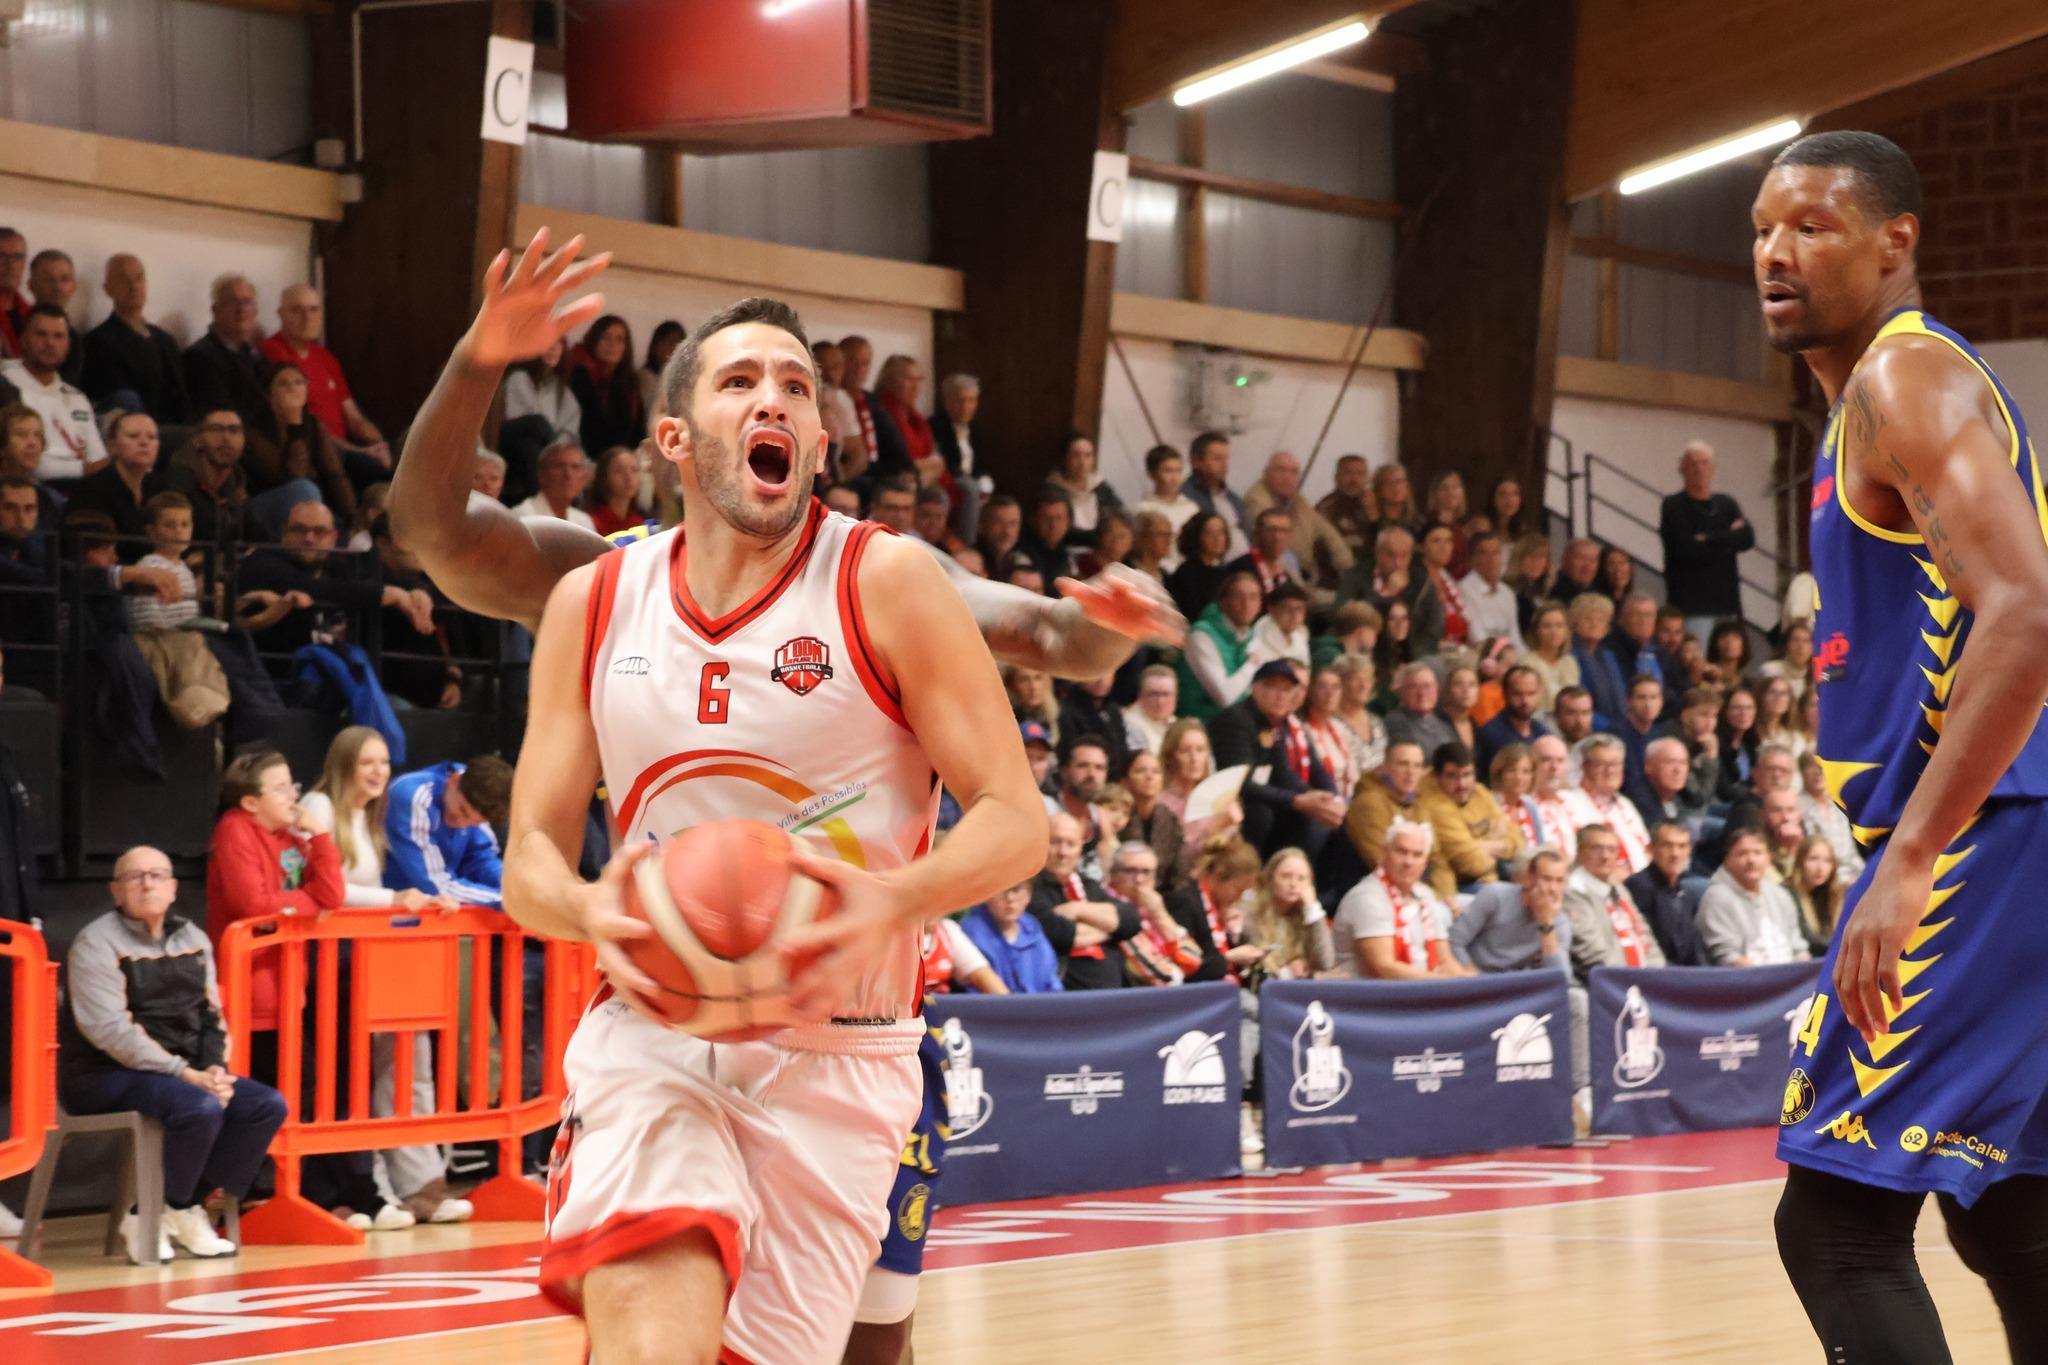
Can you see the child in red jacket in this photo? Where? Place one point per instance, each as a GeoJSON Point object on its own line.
{"type": "Point", "coordinates": [270, 858]}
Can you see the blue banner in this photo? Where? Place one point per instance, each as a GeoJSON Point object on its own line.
{"type": "Point", "coordinates": [1686, 1049]}
{"type": "Point", "coordinates": [1364, 1070]}
{"type": "Point", "coordinates": [1088, 1090]}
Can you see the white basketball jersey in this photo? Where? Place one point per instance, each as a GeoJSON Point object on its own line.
{"type": "Point", "coordinates": [775, 711]}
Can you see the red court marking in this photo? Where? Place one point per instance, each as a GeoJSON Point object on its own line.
{"type": "Point", "coordinates": [261, 1316]}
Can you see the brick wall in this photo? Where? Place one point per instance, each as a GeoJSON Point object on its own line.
{"type": "Point", "coordinates": [1984, 166]}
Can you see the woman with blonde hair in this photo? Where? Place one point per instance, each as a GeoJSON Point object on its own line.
{"type": "Point", "coordinates": [1288, 921]}
{"type": "Point", "coordinates": [1186, 756]}
{"type": "Point", "coordinates": [1357, 683]}
{"type": "Point", "coordinates": [1816, 887]}
{"type": "Point", "coordinates": [351, 799]}
{"type": "Point", "coordinates": [1152, 822]}
{"type": "Point", "coordinates": [1211, 908]}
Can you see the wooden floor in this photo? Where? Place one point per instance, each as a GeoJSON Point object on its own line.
{"type": "Point", "coordinates": [1678, 1275]}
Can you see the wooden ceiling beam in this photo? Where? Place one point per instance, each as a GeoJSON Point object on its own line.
{"type": "Point", "coordinates": [1653, 81]}
{"type": "Point", "coordinates": [1268, 191]}
{"type": "Point", "coordinates": [1157, 45]}
{"type": "Point", "coordinates": [1969, 81]}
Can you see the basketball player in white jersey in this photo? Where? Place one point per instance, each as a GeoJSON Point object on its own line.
{"type": "Point", "coordinates": [498, 564]}
{"type": "Point", "coordinates": [783, 663]}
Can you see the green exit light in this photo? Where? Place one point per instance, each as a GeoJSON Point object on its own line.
{"type": "Point", "coordinates": [1241, 381]}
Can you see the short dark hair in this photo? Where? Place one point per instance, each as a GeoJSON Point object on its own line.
{"type": "Point", "coordinates": [1270, 513]}
{"type": "Point", "coordinates": [8, 481]}
{"type": "Point", "coordinates": [1450, 754]}
{"type": "Point", "coordinates": [1157, 456]}
{"type": "Point", "coordinates": [687, 362]}
{"type": "Point", "coordinates": [1521, 668]}
{"type": "Point", "coordinates": [1671, 611]}
{"type": "Point", "coordinates": [1572, 694]}
{"type": "Point", "coordinates": [48, 253]}
{"type": "Point", "coordinates": [49, 310]}
{"type": "Point", "coordinates": [1891, 183]}
{"type": "Point", "coordinates": [1201, 444]}
{"type": "Point", "coordinates": [244, 776]}
{"type": "Point", "coordinates": [487, 785]}
{"type": "Point", "coordinates": [1639, 679]}
{"type": "Point", "coordinates": [899, 483]}
{"type": "Point", "coordinates": [1678, 825]}
{"type": "Point", "coordinates": [1049, 493]}
{"type": "Point", "coordinates": [932, 495]}
{"type": "Point", "coordinates": [166, 501]}
{"type": "Point", "coordinates": [1286, 590]}
{"type": "Point", "coordinates": [91, 530]}
{"type": "Point", "coordinates": [1088, 741]}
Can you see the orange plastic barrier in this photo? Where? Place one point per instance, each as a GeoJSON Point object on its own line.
{"type": "Point", "coordinates": [34, 1059]}
{"type": "Point", "coordinates": [407, 975]}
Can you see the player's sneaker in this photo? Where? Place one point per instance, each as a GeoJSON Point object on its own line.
{"type": "Point", "coordinates": [10, 1223]}
{"type": "Point", "coordinates": [1251, 1131]}
{"type": "Point", "coordinates": [131, 1235]}
{"type": "Point", "coordinates": [390, 1218]}
{"type": "Point", "coordinates": [193, 1230]}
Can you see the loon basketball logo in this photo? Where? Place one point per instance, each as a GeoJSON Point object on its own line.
{"type": "Point", "coordinates": [968, 1104]}
{"type": "Point", "coordinates": [801, 664]}
{"type": "Point", "coordinates": [1637, 1058]}
{"type": "Point", "coordinates": [1194, 1069]}
{"type": "Point", "coordinates": [1524, 1052]}
{"type": "Point", "coordinates": [1320, 1076]}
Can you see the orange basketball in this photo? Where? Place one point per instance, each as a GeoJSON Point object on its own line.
{"type": "Point", "coordinates": [716, 895]}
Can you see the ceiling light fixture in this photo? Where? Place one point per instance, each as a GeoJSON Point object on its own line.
{"type": "Point", "coordinates": [1755, 140]}
{"type": "Point", "coordinates": [1258, 68]}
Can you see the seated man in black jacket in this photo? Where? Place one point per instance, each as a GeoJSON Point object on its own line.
{"type": "Point", "coordinates": [1082, 921]}
{"type": "Point", "coordinates": [1290, 799]}
{"type": "Point", "coordinates": [141, 1029]}
{"type": "Point", "coordinates": [340, 589]}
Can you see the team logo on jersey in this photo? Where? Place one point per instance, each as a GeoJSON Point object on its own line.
{"type": "Point", "coordinates": [1320, 1076]}
{"type": "Point", "coordinates": [1798, 1102]}
{"type": "Point", "coordinates": [1194, 1069]}
{"type": "Point", "coordinates": [1637, 1058]}
{"type": "Point", "coordinates": [632, 666]}
{"type": "Point", "coordinates": [912, 1213]}
{"type": "Point", "coordinates": [801, 664]}
{"type": "Point", "coordinates": [968, 1103]}
{"type": "Point", "coordinates": [1847, 1127]}
{"type": "Point", "coordinates": [1831, 658]}
{"type": "Point", "coordinates": [1524, 1052]}
{"type": "Point", "coordinates": [1823, 489]}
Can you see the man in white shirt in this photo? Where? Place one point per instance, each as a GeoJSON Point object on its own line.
{"type": "Point", "coordinates": [1146, 720]}
{"type": "Point", "coordinates": [1602, 762]}
{"type": "Point", "coordinates": [1489, 603]}
{"type": "Point", "coordinates": [561, 472]}
{"type": "Point", "coordinates": [1561, 804]}
{"type": "Point", "coordinates": [1168, 472]}
{"type": "Point", "coordinates": [72, 446]}
{"type": "Point", "coordinates": [1392, 926]}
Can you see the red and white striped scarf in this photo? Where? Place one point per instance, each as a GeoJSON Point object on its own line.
{"type": "Point", "coordinates": [1078, 892]}
{"type": "Point", "coordinates": [1294, 738]}
{"type": "Point", "coordinates": [1217, 932]}
{"type": "Point", "coordinates": [1407, 917]}
{"type": "Point", "coordinates": [1629, 929]}
{"type": "Point", "coordinates": [1334, 748]}
{"type": "Point", "coordinates": [1621, 817]}
{"type": "Point", "coordinates": [1456, 623]}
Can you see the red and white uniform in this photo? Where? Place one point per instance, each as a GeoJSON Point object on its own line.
{"type": "Point", "coordinates": [784, 1150]}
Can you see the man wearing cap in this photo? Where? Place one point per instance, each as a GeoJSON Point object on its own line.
{"type": "Point", "coordinates": [1038, 751]}
{"type": "Point", "coordinates": [1290, 799]}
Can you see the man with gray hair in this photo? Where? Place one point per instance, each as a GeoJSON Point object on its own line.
{"type": "Point", "coordinates": [487, 476]}
{"type": "Point", "coordinates": [1321, 551]}
{"type": "Point", "coordinates": [1392, 926]}
{"type": "Point", "coordinates": [1602, 759]}
{"type": "Point", "coordinates": [1607, 930]}
{"type": "Point", "coordinates": [141, 1029]}
{"type": "Point", "coordinates": [1415, 720]}
{"type": "Point", "coordinates": [562, 469]}
{"type": "Point", "coordinates": [1520, 926]}
{"type": "Point", "coordinates": [130, 362]}
{"type": "Point", "coordinates": [223, 369]}
{"type": "Point", "coordinates": [1392, 576]}
{"type": "Point", "coordinates": [1667, 789]}
{"type": "Point", "coordinates": [1704, 533]}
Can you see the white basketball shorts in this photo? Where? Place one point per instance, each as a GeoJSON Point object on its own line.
{"type": "Point", "coordinates": [784, 1154]}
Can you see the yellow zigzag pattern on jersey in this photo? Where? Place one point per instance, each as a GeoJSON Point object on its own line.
{"type": "Point", "coordinates": [1941, 643]}
{"type": "Point", "coordinates": [1874, 1074]}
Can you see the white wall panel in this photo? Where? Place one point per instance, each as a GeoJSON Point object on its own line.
{"type": "Point", "coordinates": [1647, 443]}
{"type": "Point", "coordinates": [183, 246]}
{"type": "Point", "coordinates": [1288, 412]}
{"type": "Point", "coordinates": [181, 72]}
{"type": "Point", "coordinates": [2022, 366]}
{"type": "Point", "coordinates": [587, 177]}
{"type": "Point", "coordinates": [872, 201]}
{"type": "Point", "coordinates": [1149, 259]}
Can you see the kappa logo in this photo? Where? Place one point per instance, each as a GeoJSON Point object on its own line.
{"type": "Point", "coordinates": [632, 666]}
{"type": "Point", "coordinates": [968, 1103]}
{"type": "Point", "coordinates": [1523, 1052]}
{"type": "Point", "coordinates": [801, 664]}
{"type": "Point", "coordinates": [1320, 1076]}
{"type": "Point", "coordinates": [1798, 1101]}
{"type": "Point", "coordinates": [1195, 1073]}
{"type": "Point", "coordinates": [1638, 1059]}
{"type": "Point", "coordinates": [1847, 1127]}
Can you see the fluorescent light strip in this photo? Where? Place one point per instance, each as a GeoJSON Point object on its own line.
{"type": "Point", "coordinates": [1258, 68]}
{"type": "Point", "coordinates": [1712, 155]}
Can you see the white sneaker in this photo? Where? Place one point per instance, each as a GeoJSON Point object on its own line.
{"type": "Point", "coordinates": [359, 1221]}
{"type": "Point", "coordinates": [390, 1218]}
{"type": "Point", "coordinates": [452, 1211]}
{"type": "Point", "coordinates": [193, 1230]}
{"type": "Point", "coordinates": [131, 1232]}
{"type": "Point", "coordinates": [1251, 1135]}
{"type": "Point", "coordinates": [10, 1223]}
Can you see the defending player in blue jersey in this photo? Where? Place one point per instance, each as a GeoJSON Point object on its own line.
{"type": "Point", "coordinates": [1924, 1060]}
{"type": "Point", "coordinates": [493, 562]}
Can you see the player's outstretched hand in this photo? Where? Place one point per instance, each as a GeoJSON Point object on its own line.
{"type": "Point", "coordinates": [523, 313]}
{"type": "Point", "coordinates": [1128, 602]}
{"type": "Point", "coordinates": [1867, 967]}
{"type": "Point", "coordinates": [825, 958]}
{"type": "Point", "coordinates": [605, 923]}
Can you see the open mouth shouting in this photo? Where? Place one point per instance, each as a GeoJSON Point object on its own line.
{"type": "Point", "coordinates": [1782, 301]}
{"type": "Point", "coordinates": [770, 458]}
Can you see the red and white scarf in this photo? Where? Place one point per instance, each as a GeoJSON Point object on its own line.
{"type": "Point", "coordinates": [1270, 575]}
{"type": "Point", "coordinates": [1456, 624]}
{"type": "Point", "coordinates": [1556, 810]}
{"type": "Point", "coordinates": [1217, 932]}
{"type": "Point", "coordinates": [1629, 929]}
{"type": "Point", "coordinates": [1295, 740]}
{"type": "Point", "coordinates": [938, 961]}
{"type": "Point", "coordinates": [867, 429]}
{"type": "Point", "coordinates": [1333, 746]}
{"type": "Point", "coordinates": [1078, 892]}
{"type": "Point", "coordinates": [1408, 917]}
{"type": "Point", "coordinates": [1627, 824]}
{"type": "Point", "coordinates": [1526, 822]}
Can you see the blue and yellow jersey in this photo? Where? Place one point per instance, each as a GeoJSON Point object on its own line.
{"type": "Point", "coordinates": [1888, 636]}
{"type": "Point", "coordinates": [647, 528]}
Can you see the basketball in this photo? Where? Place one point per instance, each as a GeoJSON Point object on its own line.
{"type": "Point", "coordinates": [717, 896]}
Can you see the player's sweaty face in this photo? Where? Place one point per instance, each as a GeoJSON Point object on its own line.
{"type": "Point", "coordinates": [1817, 255]}
{"type": "Point", "coordinates": [756, 438]}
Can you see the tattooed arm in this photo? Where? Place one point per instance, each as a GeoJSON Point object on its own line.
{"type": "Point", "coordinates": [1084, 634]}
{"type": "Point", "coordinates": [1927, 450]}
